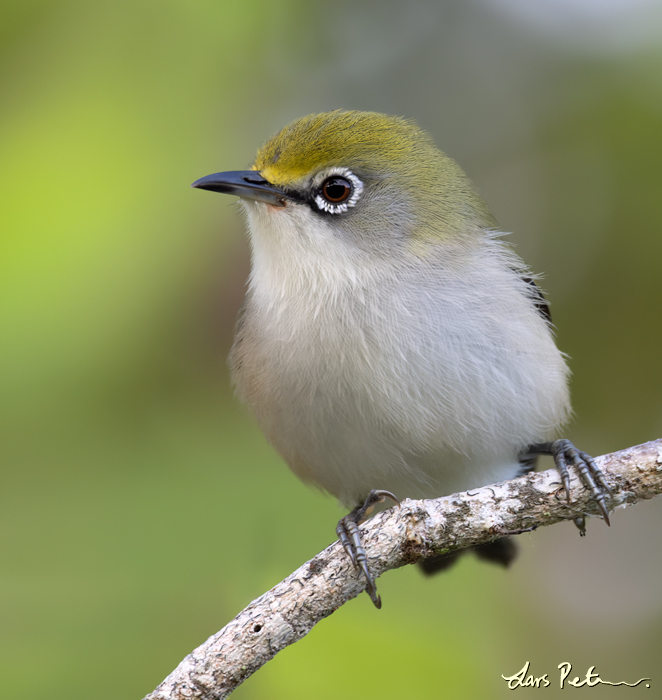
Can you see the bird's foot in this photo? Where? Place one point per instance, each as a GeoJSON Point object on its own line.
{"type": "Point", "coordinates": [564, 454]}
{"type": "Point", "coordinates": [348, 534]}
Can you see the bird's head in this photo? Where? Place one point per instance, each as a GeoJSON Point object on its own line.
{"type": "Point", "coordinates": [368, 181]}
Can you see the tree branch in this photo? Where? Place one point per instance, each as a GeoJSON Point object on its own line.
{"type": "Point", "coordinates": [398, 536]}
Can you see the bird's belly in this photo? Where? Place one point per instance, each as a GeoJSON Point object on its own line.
{"type": "Point", "coordinates": [350, 446]}
{"type": "Point", "coordinates": [389, 416]}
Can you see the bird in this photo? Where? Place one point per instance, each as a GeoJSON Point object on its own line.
{"type": "Point", "coordinates": [391, 344]}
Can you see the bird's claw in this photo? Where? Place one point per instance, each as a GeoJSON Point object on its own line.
{"type": "Point", "coordinates": [564, 453]}
{"type": "Point", "coordinates": [580, 524]}
{"type": "Point", "coordinates": [348, 534]}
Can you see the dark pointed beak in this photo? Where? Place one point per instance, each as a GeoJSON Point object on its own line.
{"type": "Point", "coordinates": [248, 184]}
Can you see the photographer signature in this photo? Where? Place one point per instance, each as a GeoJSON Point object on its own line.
{"type": "Point", "coordinates": [524, 679]}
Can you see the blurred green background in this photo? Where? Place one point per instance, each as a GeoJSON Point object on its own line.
{"type": "Point", "coordinates": [140, 508]}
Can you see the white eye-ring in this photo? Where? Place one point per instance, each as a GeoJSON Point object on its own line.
{"type": "Point", "coordinates": [338, 189]}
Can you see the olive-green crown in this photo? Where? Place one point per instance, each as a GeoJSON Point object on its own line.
{"type": "Point", "coordinates": [375, 144]}
{"type": "Point", "coordinates": [338, 138]}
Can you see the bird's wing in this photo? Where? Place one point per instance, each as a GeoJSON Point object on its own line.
{"type": "Point", "coordinates": [539, 299]}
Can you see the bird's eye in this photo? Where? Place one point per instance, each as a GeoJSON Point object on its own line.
{"type": "Point", "coordinates": [336, 189]}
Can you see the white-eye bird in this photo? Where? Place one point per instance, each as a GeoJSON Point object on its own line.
{"type": "Point", "coordinates": [390, 342]}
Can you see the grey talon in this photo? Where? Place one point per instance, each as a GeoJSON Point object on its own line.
{"type": "Point", "coordinates": [348, 534]}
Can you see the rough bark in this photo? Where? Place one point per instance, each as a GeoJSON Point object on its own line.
{"type": "Point", "coordinates": [401, 535]}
